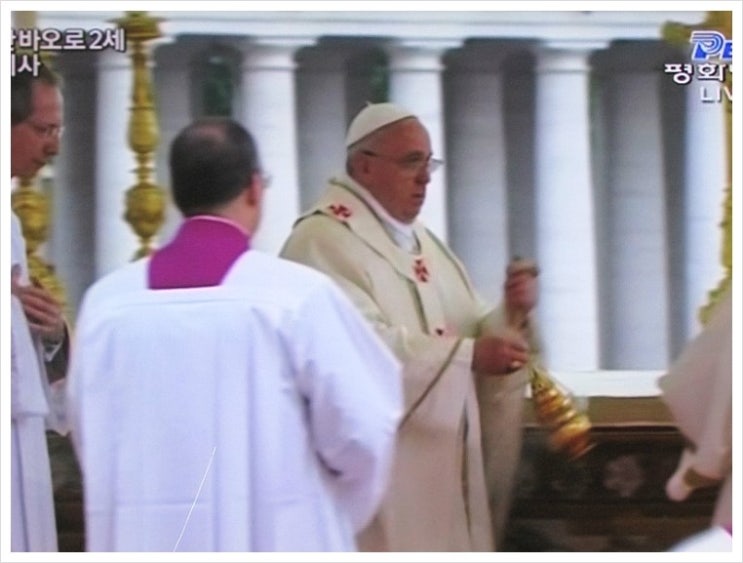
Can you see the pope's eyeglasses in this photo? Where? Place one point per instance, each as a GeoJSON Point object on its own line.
{"type": "Point", "coordinates": [411, 163]}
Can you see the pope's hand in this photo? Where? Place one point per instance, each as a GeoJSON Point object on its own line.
{"type": "Point", "coordinates": [500, 354]}
{"type": "Point", "coordinates": [520, 289]}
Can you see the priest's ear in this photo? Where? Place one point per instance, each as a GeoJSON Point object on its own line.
{"type": "Point", "coordinates": [254, 192]}
{"type": "Point", "coordinates": [252, 202]}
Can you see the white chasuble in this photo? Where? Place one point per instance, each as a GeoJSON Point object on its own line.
{"type": "Point", "coordinates": [698, 390]}
{"type": "Point", "coordinates": [256, 415]}
{"type": "Point", "coordinates": [425, 308]}
{"type": "Point", "coordinates": [33, 525]}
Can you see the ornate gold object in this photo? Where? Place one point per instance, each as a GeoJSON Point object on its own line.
{"type": "Point", "coordinates": [554, 407]}
{"type": "Point", "coordinates": [32, 209]}
{"type": "Point", "coordinates": [145, 201]}
{"type": "Point", "coordinates": [679, 34]}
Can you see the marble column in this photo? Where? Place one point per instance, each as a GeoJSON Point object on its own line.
{"type": "Point", "coordinates": [415, 83]}
{"type": "Point", "coordinates": [73, 197]}
{"type": "Point", "coordinates": [115, 241]}
{"type": "Point", "coordinates": [636, 248]}
{"type": "Point", "coordinates": [268, 109]}
{"type": "Point", "coordinates": [705, 170]}
{"type": "Point", "coordinates": [518, 122]}
{"type": "Point", "coordinates": [321, 116]}
{"type": "Point", "coordinates": [477, 200]}
{"type": "Point", "coordinates": [172, 82]}
{"type": "Point", "coordinates": [364, 74]}
{"type": "Point", "coordinates": [565, 238]}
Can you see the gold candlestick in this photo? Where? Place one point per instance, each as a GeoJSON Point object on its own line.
{"type": "Point", "coordinates": [145, 201]}
{"type": "Point", "coordinates": [32, 208]}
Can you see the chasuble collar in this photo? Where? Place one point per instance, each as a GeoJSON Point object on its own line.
{"type": "Point", "coordinates": [403, 234]}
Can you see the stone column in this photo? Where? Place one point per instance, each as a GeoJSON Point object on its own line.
{"type": "Point", "coordinates": [518, 122]}
{"type": "Point", "coordinates": [321, 116]}
{"type": "Point", "coordinates": [705, 167]}
{"type": "Point", "coordinates": [476, 167]}
{"type": "Point", "coordinates": [73, 197]}
{"type": "Point", "coordinates": [115, 241]}
{"type": "Point", "coordinates": [172, 79]}
{"type": "Point", "coordinates": [636, 251]}
{"type": "Point", "coordinates": [565, 223]}
{"type": "Point", "coordinates": [268, 109]}
{"type": "Point", "coordinates": [415, 83]}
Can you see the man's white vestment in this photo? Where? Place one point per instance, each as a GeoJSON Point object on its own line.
{"type": "Point", "coordinates": [698, 390]}
{"type": "Point", "coordinates": [425, 308]}
{"type": "Point", "coordinates": [256, 415]}
{"type": "Point", "coordinates": [35, 407]}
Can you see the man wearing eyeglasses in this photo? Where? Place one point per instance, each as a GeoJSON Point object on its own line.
{"type": "Point", "coordinates": [364, 233]}
{"type": "Point", "coordinates": [39, 341]}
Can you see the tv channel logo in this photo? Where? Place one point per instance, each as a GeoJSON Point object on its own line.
{"type": "Point", "coordinates": [708, 45]}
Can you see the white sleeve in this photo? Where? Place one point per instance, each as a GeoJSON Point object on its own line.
{"type": "Point", "coordinates": [352, 383]}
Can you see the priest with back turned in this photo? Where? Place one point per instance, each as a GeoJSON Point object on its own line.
{"type": "Point", "coordinates": [223, 399]}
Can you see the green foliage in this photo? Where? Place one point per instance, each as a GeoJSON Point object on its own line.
{"type": "Point", "coordinates": [218, 87]}
{"type": "Point", "coordinates": [379, 82]}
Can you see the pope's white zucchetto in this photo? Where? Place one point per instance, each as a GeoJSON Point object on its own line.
{"type": "Point", "coordinates": [372, 118]}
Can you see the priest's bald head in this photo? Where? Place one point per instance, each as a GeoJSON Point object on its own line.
{"type": "Point", "coordinates": [215, 170]}
{"type": "Point", "coordinates": [389, 154]}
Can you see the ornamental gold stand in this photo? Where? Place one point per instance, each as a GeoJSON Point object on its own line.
{"type": "Point", "coordinates": [145, 201]}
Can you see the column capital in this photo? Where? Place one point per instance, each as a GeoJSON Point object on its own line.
{"type": "Point", "coordinates": [431, 45]}
{"type": "Point", "coordinates": [566, 55]}
{"type": "Point", "coordinates": [77, 63]}
{"type": "Point", "coordinates": [113, 60]}
{"type": "Point", "coordinates": [324, 57]}
{"type": "Point", "coordinates": [413, 54]}
{"type": "Point", "coordinates": [482, 56]}
{"type": "Point", "coordinates": [575, 45]}
{"type": "Point", "coordinates": [634, 57]}
{"type": "Point", "coordinates": [271, 53]}
{"type": "Point", "coordinates": [176, 55]}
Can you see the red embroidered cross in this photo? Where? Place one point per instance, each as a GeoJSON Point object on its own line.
{"type": "Point", "coordinates": [340, 211]}
{"type": "Point", "coordinates": [420, 270]}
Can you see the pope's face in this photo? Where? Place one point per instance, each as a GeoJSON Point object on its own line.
{"type": "Point", "coordinates": [35, 140]}
{"type": "Point", "coordinates": [395, 168]}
